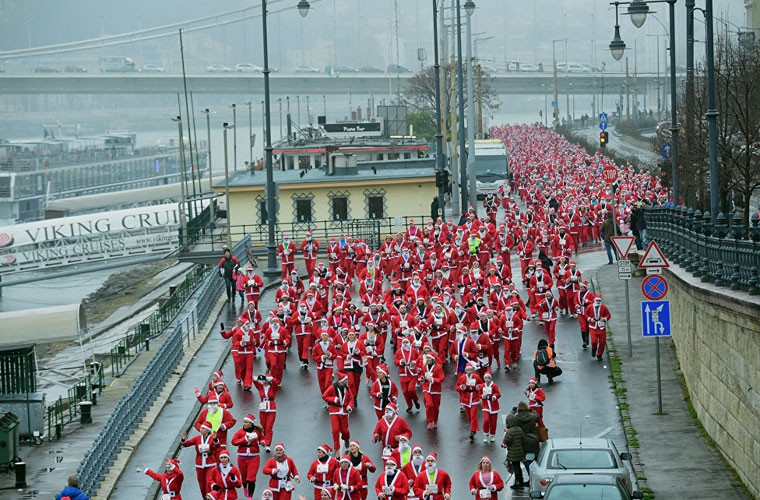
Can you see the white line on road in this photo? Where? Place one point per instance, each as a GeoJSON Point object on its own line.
{"type": "Point", "coordinates": [604, 432]}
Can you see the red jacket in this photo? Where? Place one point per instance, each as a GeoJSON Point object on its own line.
{"type": "Point", "coordinates": [205, 450]}
{"type": "Point", "coordinates": [431, 383]}
{"type": "Point", "coordinates": [386, 432]}
{"type": "Point", "coordinates": [225, 482]}
{"type": "Point", "coordinates": [324, 478]}
{"type": "Point", "coordinates": [348, 484]}
{"type": "Point", "coordinates": [469, 389]}
{"type": "Point", "coordinates": [338, 404]}
{"type": "Point", "coordinates": [275, 476]}
{"type": "Point", "coordinates": [398, 483]}
{"type": "Point", "coordinates": [171, 482]}
{"type": "Point", "coordinates": [441, 480]}
{"type": "Point", "coordinates": [228, 422]}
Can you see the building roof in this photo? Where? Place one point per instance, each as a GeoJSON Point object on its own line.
{"type": "Point", "coordinates": [367, 172]}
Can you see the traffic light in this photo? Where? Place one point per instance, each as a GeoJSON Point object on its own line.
{"type": "Point", "coordinates": [603, 138]}
{"type": "Point", "coordinates": [441, 178]}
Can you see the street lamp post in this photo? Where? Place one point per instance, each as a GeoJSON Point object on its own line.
{"type": "Point", "coordinates": [712, 113]}
{"type": "Point", "coordinates": [234, 136]}
{"type": "Point", "coordinates": [460, 94]}
{"type": "Point", "coordinates": [638, 10]}
{"type": "Point", "coordinates": [250, 133]}
{"type": "Point", "coordinates": [439, 153]}
{"type": "Point", "coordinates": [208, 148]}
{"type": "Point", "coordinates": [182, 187]}
{"type": "Point", "coordinates": [227, 126]}
{"type": "Point", "coordinates": [555, 97]}
{"type": "Point", "coordinates": [469, 8]}
{"type": "Point", "coordinates": [279, 102]}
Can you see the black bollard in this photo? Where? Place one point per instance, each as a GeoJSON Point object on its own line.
{"type": "Point", "coordinates": [20, 468]}
{"type": "Point", "coordinates": [85, 412]}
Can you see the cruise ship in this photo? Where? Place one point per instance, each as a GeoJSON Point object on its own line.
{"type": "Point", "coordinates": [38, 172]}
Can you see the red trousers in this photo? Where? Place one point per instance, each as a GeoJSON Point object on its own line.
{"type": "Point", "coordinates": [324, 378]}
{"type": "Point", "coordinates": [432, 406]}
{"type": "Point", "coordinates": [472, 416]}
{"type": "Point", "coordinates": [249, 468]}
{"type": "Point", "coordinates": [490, 423]}
{"type": "Point", "coordinates": [598, 340]}
{"type": "Point", "coordinates": [354, 382]}
{"type": "Point", "coordinates": [440, 346]}
{"type": "Point", "coordinates": [339, 424]}
{"type": "Point", "coordinates": [304, 346]}
{"type": "Point", "coordinates": [267, 419]}
{"type": "Point", "coordinates": [281, 495]}
{"type": "Point", "coordinates": [551, 330]}
{"type": "Point", "coordinates": [409, 390]}
{"type": "Point", "coordinates": [494, 354]}
{"type": "Point", "coordinates": [563, 298]}
{"type": "Point", "coordinates": [540, 410]}
{"type": "Point", "coordinates": [204, 477]}
{"type": "Point", "coordinates": [512, 350]}
{"type": "Point", "coordinates": [238, 366]}
{"type": "Point", "coordinates": [287, 268]}
{"type": "Point", "coordinates": [371, 369]}
{"type": "Point", "coordinates": [310, 267]}
{"type": "Point", "coordinates": [246, 368]}
{"type": "Point", "coordinates": [276, 364]}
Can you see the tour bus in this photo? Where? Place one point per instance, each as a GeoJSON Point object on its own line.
{"type": "Point", "coordinates": [491, 166]}
{"type": "Point", "coordinates": [117, 65]}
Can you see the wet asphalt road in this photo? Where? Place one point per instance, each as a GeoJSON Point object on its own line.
{"type": "Point", "coordinates": [578, 403]}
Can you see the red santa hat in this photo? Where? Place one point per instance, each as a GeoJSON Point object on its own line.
{"type": "Point", "coordinates": [488, 374]}
{"type": "Point", "coordinates": [416, 447]}
{"type": "Point", "coordinates": [432, 455]}
{"type": "Point", "coordinates": [224, 453]}
{"type": "Point", "coordinates": [354, 442]}
{"type": "Point", "coordinates": [383, 369]}
{"type": "Point", "coordinates": [207, 426]}
{"type": "Point", "coordinates": [533, 381]}
{"type": "Point", "coordinates": [391, 460]}
{"type": "Point", "coordinates": [249, 418]}
{"type": "Point", "coordinates": [173, 463]}
{"type": "Point", "coordinates": [220, 381]}
{"type": "Point", "coordinates": [308, 233]}
{"type": "Point", "coordinates": [284, 236]}
{"type": "Point", "coordinates": [218, 374]}
{"type": "Point", "coordinates": [345, 458]}
{"type": "Point", "coordinates": [486, 458]}
{"type": "Point", "coordinates": [392, 407]}
{"type": "Point", "coordinates": [212, 399]}
{"type": "Point", "coordinates": [279, 445]}
{"type": "Point", "coordinates": [342, 377]}
{"type": "Point", "coordinates": [324, 448]}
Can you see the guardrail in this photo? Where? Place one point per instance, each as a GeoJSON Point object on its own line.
{"type": "Point", "coordinates": [131, 409]}
{"type": "Point", "coordinates": [373, 231]}
{"type": "Point", "coordinates": [133, 344]}
{"type": "Point", "coordinates": [198, 226]}
{"type": "Point", "coordinates": [65, 410]}
{"type": "Point", "coordinates": [716, 253]}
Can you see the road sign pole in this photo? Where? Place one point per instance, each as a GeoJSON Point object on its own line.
{"type": "Point", "coordinates": [628, 318]}
{"type": "Point", "coordinates": [659, 379]}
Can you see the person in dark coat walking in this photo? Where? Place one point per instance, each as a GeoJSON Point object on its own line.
{"type": "Point", "coordinates": [514, 443]}
{"type": "Point", "coordinates": [527, 420]}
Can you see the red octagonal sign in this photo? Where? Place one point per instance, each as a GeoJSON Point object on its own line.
{"type": "Point", "coordinates": [609, 174]}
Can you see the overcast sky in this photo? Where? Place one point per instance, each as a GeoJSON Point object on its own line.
{"type": "Point", "coordinates": [352, 32]}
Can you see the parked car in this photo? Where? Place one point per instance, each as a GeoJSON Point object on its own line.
{"type": "Point", "coordinates": [587, 487]}
{"type": "Point", "coordinates": [46, 69]}
{"type": "Point", "coordinates": [248, 68]}
{"type": "Point", "coordinates": [370, 69]}
{"type": "Point", "coordinates": [569, 456]}
{"type": "Point", "coordinates": [305, 68]}
{"type": "Point", "coordinates": [152, 68]}
{"type": "Point", "coordinates": [73, 68]}
{"type": "Point", "coordinates": [218, 68]}
{"type": "Point", "coordinates": [397, 68]}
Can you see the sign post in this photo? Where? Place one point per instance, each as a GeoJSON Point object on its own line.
{"type": "Point", "coordinates": [655, 322]}
{"type": "Point", "coordinates": [623, 245]}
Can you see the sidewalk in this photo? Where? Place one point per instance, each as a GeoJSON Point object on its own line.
{"type": "Point", "coordinates": [672, 457]}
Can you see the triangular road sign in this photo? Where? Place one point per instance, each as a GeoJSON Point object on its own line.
{"type": "Point", "coordinates": [623, 245]}
{"type": "Point", "coordinates": [653, 257]}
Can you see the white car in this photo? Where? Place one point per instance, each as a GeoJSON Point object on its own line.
{"type": "Point", "coordinates": [305, 68]}
{"type": "Point", "coordinates": [218, 68]}
{"type": "Point", "coordinates": [152, 68]}
{"type": "Point", "coordinates": [529, 68]}
{"type": "Point", "coordinates": [248, 68]}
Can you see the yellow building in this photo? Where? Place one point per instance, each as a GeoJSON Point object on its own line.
{"type": "Point", "coordinates": [331, 200]}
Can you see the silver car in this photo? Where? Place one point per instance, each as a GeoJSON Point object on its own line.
{"type": "Point", "coordinates": [587, 487]}
{"type": "Point", "coordinates": [568, 456]}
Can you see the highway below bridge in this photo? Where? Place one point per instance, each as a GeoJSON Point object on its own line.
{"type": "Point", "coordinates": [136, 83]}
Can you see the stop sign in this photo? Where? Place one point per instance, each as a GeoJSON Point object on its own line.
{"type": "Point", "coordinates": [609, 174]}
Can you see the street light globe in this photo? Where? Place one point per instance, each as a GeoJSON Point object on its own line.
{"type": "Point", "coordinates": [638, 10]}
{"type": "Point", "coordinates": [469, 7]}
{"type": "Point", "coordinates": [617, 45]}
{"type": "Point", "coordinates": [303, 8]}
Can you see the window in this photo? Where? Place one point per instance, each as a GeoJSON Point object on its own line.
{"type": "Point", "coordinates": [262, 212]}
{"type": "Point", "coordinates": [339, 208]}
{"type": "Point", "coordinates": [379, 156]}
{"type": "Point", "coordinates": [303, 208]}
{"type": "Point", "coordinates": [5, 187]}
{"type": "Point", "coordinates": [375, 204]}
{"type": "Point", "coordinates": [304, 162]}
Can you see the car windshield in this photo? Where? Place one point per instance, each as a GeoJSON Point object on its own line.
{"type": "Point", "coordinates": [490, 168]}
{"type": "Point", "coordinates": [582, 459]}
{"type": "Point", "coordinates": [584, 492]}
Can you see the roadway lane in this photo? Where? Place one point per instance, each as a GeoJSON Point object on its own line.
{"type": "Point", "coordinates": [578, 403]}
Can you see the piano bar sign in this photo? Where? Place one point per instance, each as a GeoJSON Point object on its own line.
{"type": "Point", "coordinates": [353, 129]}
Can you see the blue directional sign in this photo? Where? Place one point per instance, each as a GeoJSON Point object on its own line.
{"type": "Point", "coordinates": [655, 318]}
{"type": "Point", "coordinates": [666, 151]}
{"type": "Point", "coordinates": [602, 125]}
{"type": "Point", "coordinates": [602, 117]}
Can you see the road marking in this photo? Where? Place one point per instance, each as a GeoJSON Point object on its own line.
{"type": "Point", "coordinates": [604, 432]}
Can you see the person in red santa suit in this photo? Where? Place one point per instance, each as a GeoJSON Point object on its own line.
{"type": "Point", "coordinates": [340, 404]}
{"type": "Point", "coordinates": [383, 391]}
{"type": "Point", "coordinates": [370, 290]}
{"type": "Point", "coordinates": [252, 285]}
{"type": "Point", "coordinates": [347, 482]}
{"type": "Point", "coordinates": [536, 398]}
{"type": "Point", "coordinates": [574, 279]}
{"type": "Point", "coordinates": [468, 387]}
{"type": "Point", "coordinates": [416, 290]}
{"type": "Point", "coordinates": [206, 446]}
{"type": "Point", "coordinates": [247, 439]}
{"type": "Point", "coordinates": [362, 464]}
{"type": "Point", "coordinates": [540, 283]}
{"type": "Point", "coordinates": [219, 391]}
{"type": "Point", "coordinates": [597, 317]}
{"type": "Point", "coordinates": [408, 361]}
{"type": "Point", "coordinates": [276, 340]}
{"type": "Point", "coordinates": [287, 253]}
{"type": "Point", "coordinates": [414, 466]}
{"type": "Point", "coordinates": [503, 246]}
{"type": "Point", "coordinates": [432, 483]}
{"type": "Point", "coordinates": [583, 298]}
{"type": "Point", "coordinates": [525, 249]}
{"type": "Point", "coordinates": [514, 318]}
{"type": "Point", "coordinates": [267, 386]}
{"type": "Point", "coordinates": [282, 472]}
{"type": "Point", "coordinates": [372, 344]}
{"type": "Point", "coordinates": [252, 316]}
{"type": "Point", "coordinates": [481, 333]}
{"type": "Point", "coordinates": [438, 323]}
{"type": "Point", "coordinates": [324, 355]}
{"type": "Point", "coordinates": [302, 325]}
{"type": "Point", "coordinates": [247, 344]}
{"type": "Point", "coordinates": [310, 248]}
{"type": "Point", "coordinates": [351, 359]}
{"type": "Point", "coordinates": [561, 273]}
{"type": "Point", "coordinates": [463, 351]}
{"type": "Point", "coordinates": [322, 470]}
{"type": "Point", "coordinates": [333, 255]}
{"type": "Point", "coordinates": [489, 396]}
{"type": "Point", "coordinates": [348, 258]}
{"type": "Point", "coordinates": [225, 478]}
{"type": "Point", "coordinates": [221, 420]}
{"type": "Point", "coordinates": [431, 381]}
{"type": "Point", "coordinates": [486, 482]}
{"type": "Point", "coordinates": [235, 348]}
{"type": "Point", "coordinates": [549, 310]}
{"type": "Point", "coordinates": [389, 429]}
{"type": "Point", "coordinates": [562, 244]}
{"type": "Point", "coordinates": [313, 305]}
{"type": "Point", "coordinates": [392, 484]}
{"type": "Point", "coordinates": [171, 480]}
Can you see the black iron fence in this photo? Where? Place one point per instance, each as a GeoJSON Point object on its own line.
{"type": "Point", "coordinates": [715, 253]}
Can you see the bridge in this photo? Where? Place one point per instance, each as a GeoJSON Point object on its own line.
{"type": "Point", "coordinates": [136, 83]}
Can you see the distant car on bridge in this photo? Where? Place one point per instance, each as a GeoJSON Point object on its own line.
{"type": "Point", "coordinates": [397, 68]}
{"type": "Point", "coordinates": [73, 68]}
{"type": "Point", "coordinates": [340, 68]}
{"type": "Point", "coordinates": [305, 68]}
{"type": "Point", "coordinates": [370, 69]}
{"type": "Point", "coordinates": [248, 68]}
{"type": "Point", "coordinates": [218, 68]}
{"type": "Point", "coordinates": [46, 69]}
{"type": "Point", "coordinates": [152, 68]}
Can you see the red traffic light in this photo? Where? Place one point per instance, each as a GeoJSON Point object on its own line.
{"type": "Point", "coordinates": [603, 137]}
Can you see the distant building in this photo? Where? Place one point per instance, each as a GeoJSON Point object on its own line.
{"type": "Point", "coordinates": [753, 15]}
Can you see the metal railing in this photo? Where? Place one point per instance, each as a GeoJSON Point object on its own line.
{"type": "Point", "coordinates": [132, 408]}
{"type": "Point", "coordinates": [18, 370]}
{"type": "Point", "coordinates": [199, 226]}
{"type": "Point", "coordinates": [65, 410]}
{"type": "Point", "coordinates": [716, 253]}
{"type": "Point", "coordinates": [373, 231]}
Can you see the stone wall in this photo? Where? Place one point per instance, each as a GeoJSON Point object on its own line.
{"type": "Point", "coordinates": [717, 337]}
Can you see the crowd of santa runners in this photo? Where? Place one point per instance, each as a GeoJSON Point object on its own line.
{"type": "Point", "coordinates": [438, 307]}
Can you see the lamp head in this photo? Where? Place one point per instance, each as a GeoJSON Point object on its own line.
{"type": "Point", "coordinates": [469, 7]}
{"type": "Point", "coordinates": [638, 10]}
{"type": "Point", "coordinates": [617, 45]}
{"type": "Point", "coordinates": [303, 8]}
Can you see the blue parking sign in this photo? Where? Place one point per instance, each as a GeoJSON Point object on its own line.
{"type": "Point", "coordinates": [655, 318]}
